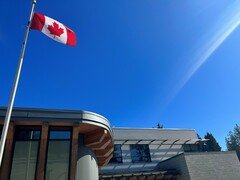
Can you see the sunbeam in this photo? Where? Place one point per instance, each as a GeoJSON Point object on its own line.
{"type": "Point", "coordinates": [231, 21]}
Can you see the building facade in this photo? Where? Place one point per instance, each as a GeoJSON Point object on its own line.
{"type": "Point", "coordinates": [175, 154]}
{"type": "Point", "coordinates": [44, 144]}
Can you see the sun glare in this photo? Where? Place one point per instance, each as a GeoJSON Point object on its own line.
{"type": "Point", "coordinates": [230, 20]}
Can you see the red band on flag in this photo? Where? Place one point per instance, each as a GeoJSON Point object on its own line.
{"type": "Point", "coordinates": [53, 29]}
{"type": "Point", "coordinates": [72, 39]}
{"type": "Point", "coordinates": [38, 21]}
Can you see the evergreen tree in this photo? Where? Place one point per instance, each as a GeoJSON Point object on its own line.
{"type": "Point", "coordinates": [211, 144]}
{"type": "Point", "coordinates": [199, 137]}
{"type": "Point", "coordinates": [233, 140]}
{"type": "Point", "coordinates": [159, 125]}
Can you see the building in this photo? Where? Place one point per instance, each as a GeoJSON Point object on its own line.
{"type": "Point", "coordinates": [44, 144]}
{"type": "Point", "coordinates": [174, 154]}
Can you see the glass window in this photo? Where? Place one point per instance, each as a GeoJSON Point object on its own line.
{"type": "Point", "coordinates": [27, 134]}
{"type": "Point", "coordinates": [117, 154]}
{"type": "Point", "coordinates": [25, 153]}
{"type": "Point", "coordinates": [58, 155]}
{"type": "Point", "coordinates": [60, 135]}
{"type": "Point", "coordinates": [140, 153]}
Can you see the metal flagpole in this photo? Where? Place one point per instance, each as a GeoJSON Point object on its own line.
{"type": "Point", "coordinates": [14, 88]}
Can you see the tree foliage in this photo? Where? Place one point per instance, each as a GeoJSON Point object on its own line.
{"type": "Point", "coordinates": [159, 125]}
{"type": "Point", "coordinates": [233, 140]}
{"type": "Point", "coordinates": [199, 137]}
{"type": "Point", "coordinates": [211, 144]}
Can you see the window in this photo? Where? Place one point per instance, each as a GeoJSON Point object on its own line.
{"type": "Point", "coordinates": [140, 153]}
{"type": "Point", "coordinates": [117, 154]}
{"type": "Point", "coordinates": [25, 153]}
{"type": "Point", "coordinates": [58, 154]}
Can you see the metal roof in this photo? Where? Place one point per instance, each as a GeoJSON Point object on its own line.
{"type": "Point", "coordinates": [166, 174]}
{"type": "Point", "coordinates": [155, 136]}
{"type": "Point", "coordinates": [53, 115]}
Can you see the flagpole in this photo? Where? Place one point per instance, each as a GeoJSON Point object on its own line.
{"type": "Point", "coordinates": [14, 88]}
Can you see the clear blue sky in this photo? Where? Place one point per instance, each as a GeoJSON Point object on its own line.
{"type": "Point", "coordinates": [137, 62]}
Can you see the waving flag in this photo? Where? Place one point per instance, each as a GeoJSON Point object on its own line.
{"type": "Point", "coordinates": [53, 29]}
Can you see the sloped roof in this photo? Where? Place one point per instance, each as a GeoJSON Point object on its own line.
{"type": "Point", "coordinates": [154, 136]}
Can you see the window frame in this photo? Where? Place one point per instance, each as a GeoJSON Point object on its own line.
{"type": "Point", "coordinates": [59, 128]}
{"type": "Point", "coordinates": [15, 139]}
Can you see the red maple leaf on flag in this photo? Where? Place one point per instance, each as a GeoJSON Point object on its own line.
{"type": "Point", "coordinates": [55, 29]}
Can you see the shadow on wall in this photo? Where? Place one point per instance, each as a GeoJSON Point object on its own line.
{"type": "Point", "coordinates": [158, 153]}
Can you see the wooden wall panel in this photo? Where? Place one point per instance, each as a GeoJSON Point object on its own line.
{"type": "Point", "coordinates": [7, 156]}
{"type": "Point", "coordinates": [42, 152]}
{"type": "Point", "coordinates": [74, 152]}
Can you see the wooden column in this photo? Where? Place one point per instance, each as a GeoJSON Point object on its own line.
{"type": "Point", "coordinates": [122, 178]}
{"type": "Point", "coordinates": [74, 152]}
{"type": "Point", "coordinates": [7, 156]}
{"type": "Point", "coordinates": [151, 177]}
{"type": "Point", "coordinates": [141, 177]}
{"type": "Point", "coordinates": [42, 152]}
{"type": "Point", "coordinates": [132, 178]}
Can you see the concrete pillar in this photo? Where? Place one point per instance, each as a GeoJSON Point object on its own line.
{"type": "Point", "coordinates": [87, 168]}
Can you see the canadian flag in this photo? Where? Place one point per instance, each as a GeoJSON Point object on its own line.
{"type": "Point", "coordinates": [53, 29]}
